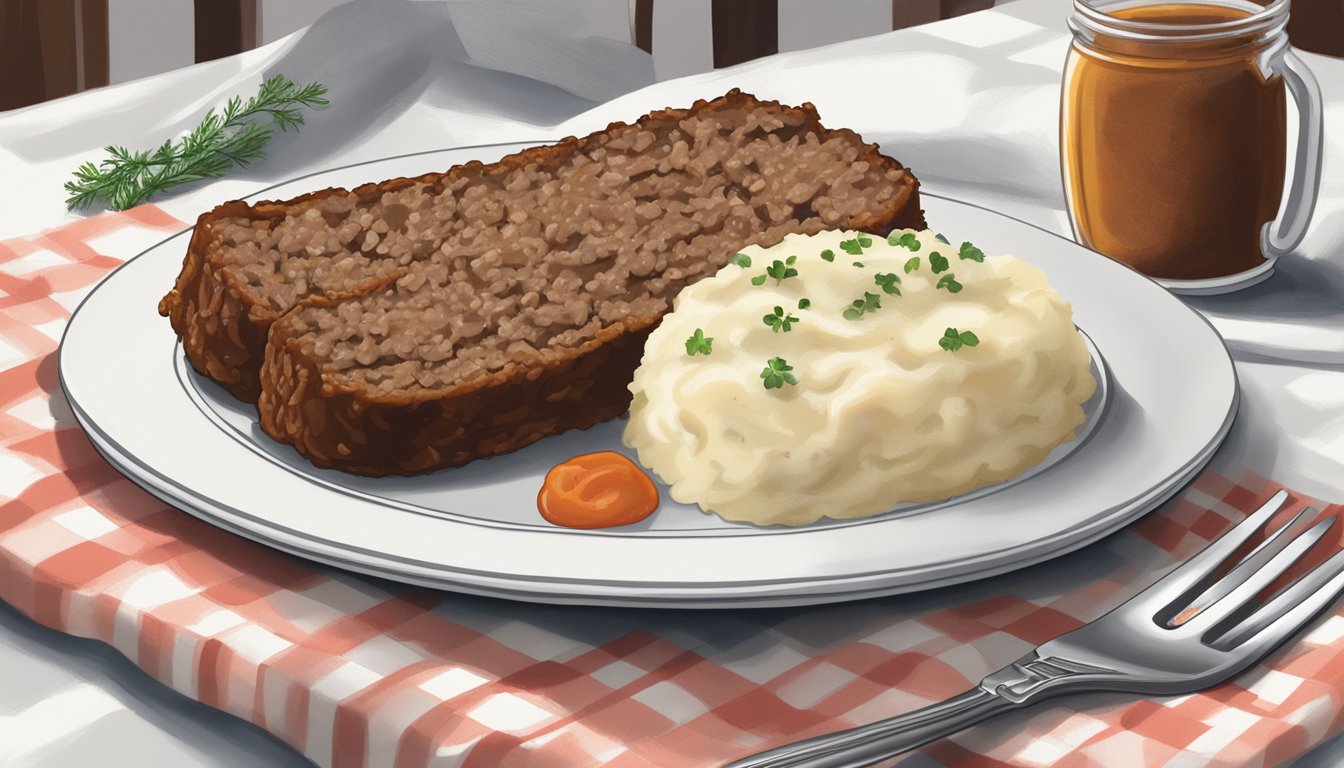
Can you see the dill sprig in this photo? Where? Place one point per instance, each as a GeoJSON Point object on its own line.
{"type": "Point", "coordinates": [236, 136]}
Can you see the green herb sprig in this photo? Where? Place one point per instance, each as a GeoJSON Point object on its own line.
{"type": "Point", "coordinates": [871, 302]}
{"type": "Point", "coordinates": [699, 344]}
{"type": "Point", "coordinates": [741, 260]}
{"type": "Point", "coordinates": [953, 339]}
{"type": "Point", "coordinates": [949, 282]}
{"type": "Point", "coordinates": [912, 265]}
{"type": "Point", "coordinates": [777, 373]}
{"type": "Point", "coordinates": [779, 321]}
{"type": "Point", "coordinates": [780, 270]}
{"type": "Point", "coordinates": [235, 136]}
{"type": "Point", "coordinates": [970, 252]}
{"type": "Point", "coordinates": [905, 240]}
{"type": "Point", "coordinates": [828, 255]}
{"type": "Point", "coordinates": [938, 262]}
{"type": "Point", "coordinates": [889, 283]}
{"type": "Point", "coordinates": [855, 247]}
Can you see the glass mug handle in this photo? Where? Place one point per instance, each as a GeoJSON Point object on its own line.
{"type": "Point", "coordinates": [1282, 235]}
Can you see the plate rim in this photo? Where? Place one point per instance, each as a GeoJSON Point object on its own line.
{"type": "Point", "coordinates": [622, 592]}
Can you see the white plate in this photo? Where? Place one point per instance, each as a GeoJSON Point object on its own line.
{"type": "Point", "coordinates": [1168, 402]}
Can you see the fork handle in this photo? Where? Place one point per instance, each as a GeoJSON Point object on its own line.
{"type": "Point", "coordinates": [867, 744]}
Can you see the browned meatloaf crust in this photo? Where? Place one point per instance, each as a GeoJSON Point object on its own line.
{"type": "Point", "coordinates": [416, 324]}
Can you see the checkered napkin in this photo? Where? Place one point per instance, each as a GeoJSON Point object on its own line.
{"type": "Point", "coordinates": [354, 672]}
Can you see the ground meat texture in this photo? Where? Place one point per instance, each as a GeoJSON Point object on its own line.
{"type": "Point", "coordinates": [421, 323]}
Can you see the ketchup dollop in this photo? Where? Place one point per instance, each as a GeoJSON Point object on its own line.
{"type": "Point", "coordinates": [597, 490]}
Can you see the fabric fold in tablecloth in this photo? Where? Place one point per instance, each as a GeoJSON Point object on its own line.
{"type": "Point", "coordinates": [354, 671]}
{"type": "Point", "coordinates": [401, 76]}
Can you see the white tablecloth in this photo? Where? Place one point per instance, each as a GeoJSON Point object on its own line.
{"type": "Point", "coordinates": [970, 104]}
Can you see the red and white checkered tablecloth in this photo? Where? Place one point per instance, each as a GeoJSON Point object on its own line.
{"type": "Point", "coordinates": [353, 671]}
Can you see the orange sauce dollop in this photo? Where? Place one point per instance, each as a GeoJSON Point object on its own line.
{"type": "Point", "coordinates": [597, 490]}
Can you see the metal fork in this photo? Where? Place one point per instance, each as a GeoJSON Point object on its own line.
{"type": "Point", "coordinates": [1190, 630]}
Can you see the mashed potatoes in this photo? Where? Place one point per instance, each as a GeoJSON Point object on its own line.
{"type": "Point", "coordinates": [848, 374]}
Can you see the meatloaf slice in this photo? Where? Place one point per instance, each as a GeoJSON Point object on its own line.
{"type": "Point", "coordinates": [423, 323]}
{"type": "Point", "coordinates": [248, 264]}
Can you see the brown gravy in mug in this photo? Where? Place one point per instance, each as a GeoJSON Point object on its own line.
{"type": "Point", "coordinates": [1174, 163]}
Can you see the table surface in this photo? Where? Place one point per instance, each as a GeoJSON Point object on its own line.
{"type": "Point", "coordinates": [969, 103]}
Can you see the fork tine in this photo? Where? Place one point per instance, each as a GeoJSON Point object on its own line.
{"type": "Point", "coordinates": [1252, 583]}
{"type": "Point", "coordinates": [1185, 606]}
{"type": "Point", "coordinates": [1284, 615]}
{"type": "Point", "coordinates": [1185, 577]}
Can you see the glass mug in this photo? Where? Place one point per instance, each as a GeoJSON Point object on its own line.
{"type": "Point", "coordinates": [1173, 138]}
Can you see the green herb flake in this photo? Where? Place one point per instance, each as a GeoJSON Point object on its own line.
{"type": "Point", "coordinates": [237, 135]}
{"type": "Point", "coordinates": [780, 270]}
{"type": "Point", "coordinates": [870, 302]}
{"type": "Point", "coordinates": [804, 303]}
{"type": "Point", "coordinates": [741, 260]}
{"type": "Point", "coordinates": [970, 252]}
{"type": "Point", "coordinates": [828, 255]}
{"type": "Point", "coordinates": [906, 240]}
{"type": "Point", "coordinates": [949, 281]}
{"type": "Point", "coordinates": [912, 265]}
{"type": "Point", "coordinates": [699, 344]}
{"type": "Point", "coordinates": [855, 247]}
{"type": "Point", "coordinates": [859, 264]}
{"type": "Point", "coordinates": [777, 373]}
{"type": "Point", "coordinates": [938, 262]}
{"type": "Point", "coordinates": [888, 282]}
{"type": "Point", "coordinates": [778, 321]}
{"type": "Point", "coordinates": [953, 340]}
{"type": "Point", "coordinates": [758, 280]}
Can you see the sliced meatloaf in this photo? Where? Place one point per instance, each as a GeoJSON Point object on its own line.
{"type": "Point", "coordinates": [421, 323]}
